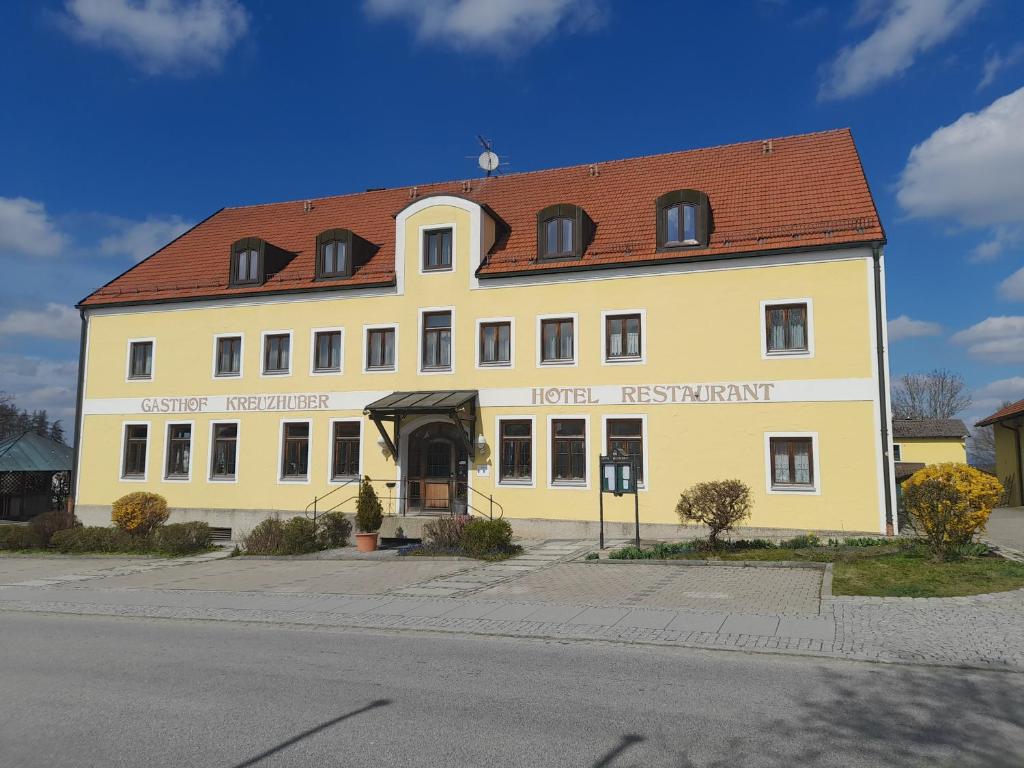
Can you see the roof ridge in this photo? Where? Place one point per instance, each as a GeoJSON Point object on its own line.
{"type": "Point", "coordinates": [554, 169]}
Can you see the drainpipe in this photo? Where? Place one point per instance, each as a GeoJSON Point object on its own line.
{"type": "Point", "coordinates": [75, 458]}
{"type": "Point", "coordinates": [883, 390]}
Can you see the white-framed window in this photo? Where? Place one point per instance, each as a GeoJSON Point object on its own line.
{"type": "Point", "coordinates": [380, 348]}
{"type": "Point", "coordinates": [141, 362]}
{"type": "Point", "coordinates": [792, 463]}
{"type": "Point", "coordinates": [437, 340]}
{"type": "Point", "coordinates": [897, 452]}
{"type": "Point", "coordinates": [228, 355]}
{"type": "Point", "coordinates": [437, 248]}
{"type": "Point", "coordinates": [327, 352]}
{"type": "Point", "coordinates": [515, 462]}
{"type": "Point", "coordinates": [787, 328]}
{"type": "Point", "coordinates": [295, 448]}
{"type": "Point", "coordinates": [627, 432]}
{"type": "Point", "coordinates": [495, 342]}
{"type": "Point", "coordinates": [623, 336]}
{"type": "Point", "coordinates": [276, 352]}
{"type": "Point", "coordinates": [224, 456]}
{"type": "Point", "coordinates": [345, 452]}
{"type": "Point", "coordinates": [178, 451]}
{"type": "Point", "coordinates": [568, 451]}
{"type": "Point", "coordinates": [135, 451]}
{"type": "Point", "coordinates": [557, 340]}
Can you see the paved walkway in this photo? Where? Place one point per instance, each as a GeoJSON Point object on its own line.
{"type": "Point", "coordinates": [545, 595]}
{"type": "Point", "coordinates": [1005, 529]}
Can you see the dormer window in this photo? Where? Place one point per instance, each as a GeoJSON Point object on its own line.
{"type": "Point", "coordinates": [683, 217]}
{"type": "Point", "coordinates": [563, 232]}
{"type": "Point", "coordinates": [247, 261]}
{"type": "Point", "coordinates": [338, 252]}
{"type": "Point", "coordinates": [334, 258]}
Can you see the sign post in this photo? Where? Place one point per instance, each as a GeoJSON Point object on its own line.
{"type": "Point", "coordinates": [618, 477]}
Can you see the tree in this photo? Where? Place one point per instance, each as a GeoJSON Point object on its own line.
{"type": "Point", "coordinates": [939, 394]}
{"type": "Point", "coordinates": [369, 512]}
{"type": "Point", "coordinates": [719, 504]}
{"type": "Point", "coordinates": [57, 432]}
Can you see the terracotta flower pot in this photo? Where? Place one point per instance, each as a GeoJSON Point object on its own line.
{"type": "Point", "coordinates": [366, 542]}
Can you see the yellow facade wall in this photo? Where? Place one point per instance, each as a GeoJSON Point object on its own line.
{"type": "Point", "coordinates": [702, 324]}
{"type": "Point", "coordinates": [932, 450]}
{"type": "Point", "coordinates": [1007, 466]}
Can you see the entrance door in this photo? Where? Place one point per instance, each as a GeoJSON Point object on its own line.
{"type": "Point", "coordinates": [438, 469]}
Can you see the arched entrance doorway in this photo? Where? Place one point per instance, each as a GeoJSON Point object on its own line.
{"type": "Point", "coordinates": [437, 470]}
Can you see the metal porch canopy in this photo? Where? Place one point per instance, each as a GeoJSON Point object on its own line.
{"type": "Point", "coordinates": [459, 405]}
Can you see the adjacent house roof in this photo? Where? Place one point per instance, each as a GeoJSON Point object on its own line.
{"type": "Point", "coordinates": [800, 191]}
{"type": "Point", "coordinates": [1007, 412]}
{"type": "Point", "coordinates": [953, 429]}
{"type": "Point", "coordinates": [31, 453]}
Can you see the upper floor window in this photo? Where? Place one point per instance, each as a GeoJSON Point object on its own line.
{"type": "Point", "coordinates": [437, 250]}
{"type": "Point", "coordinates": [277, 352]}
{"type": "Point", "coordinates": [327, 352]}
{"type": "Point", "coordinates": [229, 356]}
{"type": "Point", "coordinates": [557, 340]}
{"type": "Point", "coordinates": [622, 338]}
{"type": "Point", "coordinates": [683, 219]}
{"type": "Point", "coordinates": [337, 251]}
{"type": "Point", "coordinates": [563, 232]}
{"type": "Point", "coordinates": [140, 360]}
{"type": "Point", "coordinates": [437, 341]}
{"type": "Point", "coordinates": [333, 259]}
{"type": "Point", "coordinates": [380, 349]}
{"type": "Point", "coordinates": [786, 328]}
{"type": "Point", "coordinates": [247, 261]}
{"type": "Point", "coordinates": [496, 342]}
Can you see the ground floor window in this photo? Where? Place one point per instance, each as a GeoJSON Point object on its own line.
{"type": "Point", "coordinates": [627, 437]}
{"type": "Point", "coordinates": [295, 451]}
{"type": "Point", "coordinates": [792, 462]}
{"type": "Point", "coordinates": [516, 461]}
{"type": "Point", "coordinates": [568, 451]}
{"type": "Point", "coordinates": [345, 450]}
{"type": "Point", "coordinates": [133, 464]}
{"type": "Point", "coordinates": [224, 453]}
{"type": "Point", "coordinates": [179, 451]}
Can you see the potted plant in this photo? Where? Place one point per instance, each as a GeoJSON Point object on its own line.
{"type": "Point", "coordinates": [369, 516]}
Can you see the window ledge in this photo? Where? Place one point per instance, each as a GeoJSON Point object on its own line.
{"type": "Point", "coordinates": [223, 479]}
{"type": "Point", "coordinates": [624, 359]}
{"type": "Point", "coordinates": [788, 353]}
{"type": "Point", "coordinates": [524, 483]}
{"type": "Point", "coordinates": [495, 365]}
{"type": "Point", "coordinates": [798, 489]}
{"type": "Point", "coordinates": [276, 373]}
{"type": "Point", "coordinates": [227, 375]}
{"type": "Point", "coordinates": [303, 479]}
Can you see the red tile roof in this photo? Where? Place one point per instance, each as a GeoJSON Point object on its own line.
{"type": "Point", "coordinates": [1013, 409]}
{"type": "Point", "coordinates": [807, 191]}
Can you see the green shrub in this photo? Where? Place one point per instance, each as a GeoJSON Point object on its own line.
{"type": "Point", "coordinates": [864, 541]}
{"type": "Point", "coordinates": [718, 504]}
{"type": "Point", "coordinates": [19, 537]}
{"type": "Point", "coordinates": [298, 537]}
{"type": "Point", "coordinates": [592, 556]}
{"type": "Point", "coordinates": [803, 541]}
{"type": "Point", "coordinates": [663, 550]}
{"type": "Point", "coordinates": [445, 532]}
{"type": "Point", "coordinates": [369, 512]}
{"type": "Point", "coordinates": [334, 530]}
{"type": "Point", "coordinates": [182, 538]}
{"type": "Point", "coordinates": [265, 538]}
{"type": "Point", "coordinates": [140, 512]}
{"type": "Point", "coordinates": [631, 553]}
{"type": "Point", "coordinates": [972, 549]}
{"type": "Point", "coordinates": [98, 538]}
{"type": "Point", "coordinates": [752, 544]}
{"type": "Point", "coordinates": [48, 523]}
{"type": "Point", "coordinates": [486, 537]}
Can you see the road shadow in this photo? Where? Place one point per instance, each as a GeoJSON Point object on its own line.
{"type": "Point", "coordinates": [613, 754]}
{"type": "Point", "coordinates": [311, 732]}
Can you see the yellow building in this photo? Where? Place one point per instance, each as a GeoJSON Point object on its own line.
{"type": "Point", "coordinates": [1007, 427]}
{"type": "Point", "coordinates": [919, 442]}
{"type": "Point", "coordinates": [712, 314]}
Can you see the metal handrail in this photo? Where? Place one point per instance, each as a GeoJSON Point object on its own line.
{"type": "Point", "coordinates": [313, 508]}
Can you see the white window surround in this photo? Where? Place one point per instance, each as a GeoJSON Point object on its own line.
{"type": "Point", "coordinates": [496, 452]}
{"type": "Point", "coordinates": [365, 351]}
{"type": "Point", "coordinates": [241, 356]}
{"type": "Point", "coordinates": [511, 343]}
{"type": "Point", "coordinates": [423, 229]}
{"type": "Point", "coordinates": [605, 360]}
{"type": "Point", "coordinates": [312, 352]}
{"type": "Point", "coordinates": [121, 457]}
{"type": "Point", "coordinates": [645, 485]}
{"type": "Point", "coordinates": [549, 437]}
{"type": "Point", "coordinates": [167, 444]}
{"type": "Point", "coordinates": [331, 480]}
{"type": "Point", "coordinates": [281, 480]}
{"type": "Point", "coordinates": [809, 353]}
{"type": "Point", "coordinates": [574, 363]}
{"type": "Point", "coordinates": [238, 451]}
{"type": "Point", "coordinates": [263, 353]}
{"type": "Point", "coordinates": [128, 362]}
{"type": "Point", "coordinates": [815, 488]}
{"type": "Point", "coordinates": [419, 342]}
{"type": "Point", "coordinates": [477, 232]}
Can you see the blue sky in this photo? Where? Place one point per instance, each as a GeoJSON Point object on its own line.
{"type": "Point", "coordinates": [128, 120]}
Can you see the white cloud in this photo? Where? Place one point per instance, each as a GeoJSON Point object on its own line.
{"type": "Point", "coordinates": [990, 398]}
{"type": "Point", "coordinates": [995, 63]}
{"type": "Point", "coordinates": [40, 384]}
{"type": "Point", "coordinates": [139, 239]}
{"type": "Point", "coordinates": [56, 321]}
{"type": "Point", "coordinates": [499, 25]}
{"type": "Point", "coordinates": [160, 35]}
{"type": "Point", "coordinates": [903, 327]}
{"type": "Point", "coordinates": [994, 339]}
{"type": "Point", "coordinates": [1001, 238]}
{"type": "Point", "coordinates": [1012, 288]}
{"type": "Point", "coordinates": [26, 228]}
{"type": "Point", "coordinates": [907, 29]}
{"type": "Point", "coordinates": [971, 171]}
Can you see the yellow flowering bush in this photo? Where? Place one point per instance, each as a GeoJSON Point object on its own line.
{"type": "Point", "coordinates": [139, 513]}
{"type": "Point", "coordinates": [949, 503]}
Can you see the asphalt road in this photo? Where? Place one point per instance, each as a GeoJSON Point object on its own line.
{"type": "Point", "coordinates": [88, 691]}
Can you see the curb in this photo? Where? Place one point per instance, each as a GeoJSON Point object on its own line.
{"type": "Point", "coordinates": [721, 563]}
